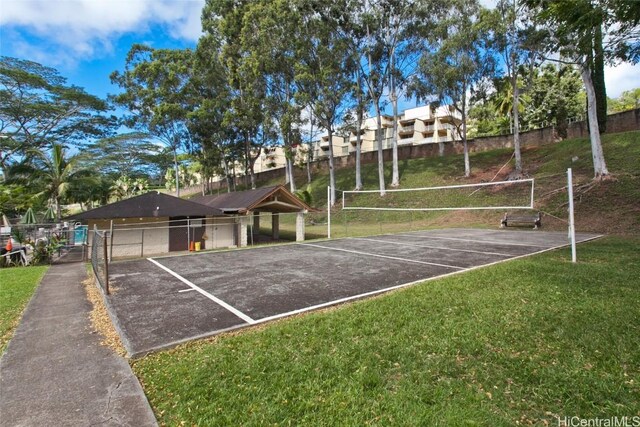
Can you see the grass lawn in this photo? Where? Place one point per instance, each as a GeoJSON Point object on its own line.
{"type": "Point", "coordinates": [16, 288]}
{"type": "Point", "coordinates": [522, 342]}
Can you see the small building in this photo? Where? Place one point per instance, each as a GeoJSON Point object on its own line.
{"type": "Point", "coordinates": [249, 205]}
{"type": "Point", "coordinates": [156, 223]}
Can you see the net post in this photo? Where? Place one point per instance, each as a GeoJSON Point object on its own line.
{"type": "Point", "coordinates": [328, 212]}
{"type": "Point", "coordinates": [533, 185]}
{"type": "Point", "coordinates": [572, 228]}
{"type": "Point", "coordinates": [106, 264]}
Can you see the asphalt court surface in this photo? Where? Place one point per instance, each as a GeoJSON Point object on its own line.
{"type": "Point", "coordinates": [160, 302]}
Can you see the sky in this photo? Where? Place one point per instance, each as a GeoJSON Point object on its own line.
{"type": "Point", "coordinates": [86, 40]}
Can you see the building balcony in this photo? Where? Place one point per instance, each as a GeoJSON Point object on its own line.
{"type": "Point", "coordinates": [406, 130]}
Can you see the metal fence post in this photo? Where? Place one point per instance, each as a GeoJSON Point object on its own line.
{"type": "Point", "coordinates": [106, 264]}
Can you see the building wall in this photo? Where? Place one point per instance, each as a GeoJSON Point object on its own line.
{"type": "Point", "coordinates": [151, 237]}
{"type": "Point", "coordinates": [220, 233]}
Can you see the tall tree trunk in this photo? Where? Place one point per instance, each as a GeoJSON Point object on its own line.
{"type": "Point", "coordinates": [246, 158]}
{"type": "Point", "coordinates": [597, 76]}
{"type": "Point", "coordinates": [376, 100]}
{"type": "Point", "coordinates": [292, 182]}
{"type": "Point", "coordinates": [436, 134]}
{"type": "Point", "coordinates": [227, 174]}
{"type": "Point", "coordinates": [467, 163]}
{"type": "Point", "coordinates": [599, 165]}
{"type": "Point", "coordinates": [175, 166]}
{"type": "Point", "coordinates": [516, 122]}
{"type": "Point", "coordinates": [395, 175]}
{"type": "Point", "coordinates": [286, 171]}
{"type": "Point", "coordinates": [332, 175]}
{"type": "Point", "coordinates": [380, 153]}
{"type": "Point", "coordinates": [310, 152]}
{"type": "Point", "coordinates": [360, 114]}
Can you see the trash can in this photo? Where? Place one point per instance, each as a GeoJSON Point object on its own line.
{"type": "Point", "coordinates": [198, 245]}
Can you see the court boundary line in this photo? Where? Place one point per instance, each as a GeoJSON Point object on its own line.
{"type": "Point", "coordinates": [431, 247]}
{"type": "Point", "coordinates": [213, 298]}
{"type": "Point", "coordinates": [335, 302]}
{"type": "Point", "coordinates": [383, 256]}
{"type": "Point", "coordinates": [489, 242]}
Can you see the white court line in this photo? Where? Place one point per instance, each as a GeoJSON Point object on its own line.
{"type": "Point", "coordinates": [186, 290]}
{"type": "Point", "coordinates": [232, 309]}
{"type": "Point", "coordinates": [382, 256]}
{"type": "Point", "coordinates": [431, 247]}
{"type": "Point", "coordinates": [490, 242]}
{"type": "Point", "coordinates": [415, 282]}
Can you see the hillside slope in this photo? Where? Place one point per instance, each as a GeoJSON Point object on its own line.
{"type": "Point", "coordinates": [611, 206]}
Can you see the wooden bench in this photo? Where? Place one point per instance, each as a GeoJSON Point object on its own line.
{"type": "Point", "coordinates": [534, 219]}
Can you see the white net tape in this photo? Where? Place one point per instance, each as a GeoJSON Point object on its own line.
{"type": "Point", "coordinates": [490, 195]}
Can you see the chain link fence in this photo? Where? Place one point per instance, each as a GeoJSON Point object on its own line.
{"type": "Point", "coordinates": [136, 239]}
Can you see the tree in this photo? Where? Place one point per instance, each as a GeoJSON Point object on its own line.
{"type": "Point", "coordinates": [518, 40]}
{"type": "Point", "coordinates": [156, 85]}
{"type": "Point", "coordinates": [124, 154]}
{"type": "Point", "coordinates": [210, 98]}
{"type": "Point", "coordinates": [271, 31]}
{"type": "Point", "coordinates": [397, 22]}
{"type": "Point", "coordinates": [628, 100]}
{"type": "Point", "coordinates": [125, 187]}
{"type": "Point", "coordinates": [51, 172]}
{"type": "Point", "coordinates": [323, 70]}
{"type": "Point", "coordinates": [572, 26]}
{"type": "Point", "coordinates": [38, 109]}
{"type": "Point", "coordinates": [90, 190]}
{"type": "Point", "coordinates": [226, 23]}
{"type": "Point", "coordinates": [553, 97]}
{"type": "Point", "coordinates": [461, 59]}
{"type": "Point", "coordinates": [374, 70]}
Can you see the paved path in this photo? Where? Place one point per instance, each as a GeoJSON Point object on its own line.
{"type": "Point", "coordinates": [55, 372]}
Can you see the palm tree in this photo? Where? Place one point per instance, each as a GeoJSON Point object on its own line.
{"type": "Point", "coordinates": [503, 101]}
{"type": "Point", "coordinates": [52, 172]}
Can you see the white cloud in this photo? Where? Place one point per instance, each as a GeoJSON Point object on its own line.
{"type": "Point", "coordinates": [623, 77]}
{"type": "Point", "coordinates": [70, 30]}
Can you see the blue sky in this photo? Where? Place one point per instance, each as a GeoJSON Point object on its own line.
{"type": "Point", "coordinates": [86, 40]}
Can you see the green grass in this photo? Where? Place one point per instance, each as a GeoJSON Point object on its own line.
{"type": "Point", "coordinates": [16, 288]}
{"type": "Point", "coordinates": [520, 342]}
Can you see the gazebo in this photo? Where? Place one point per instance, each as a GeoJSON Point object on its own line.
{"type": "Point", "coordinates": [248, 205]}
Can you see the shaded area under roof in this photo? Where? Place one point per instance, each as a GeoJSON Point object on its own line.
{"type": "Point", "coordinates": [153, 204]}
{"type": "Point", "coordinates": [269, 199]}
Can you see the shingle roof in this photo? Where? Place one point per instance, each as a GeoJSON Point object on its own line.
{"type": "Point", "coordinates": [153, 204]}
{"type": "Point", "coordinates": [242, 201]}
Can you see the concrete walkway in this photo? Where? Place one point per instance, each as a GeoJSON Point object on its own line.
{"type": "Point", "coordinates": [55, 372]}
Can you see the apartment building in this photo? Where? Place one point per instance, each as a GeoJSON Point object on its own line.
{"type": "Point", "coordinates": [420, 125]}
